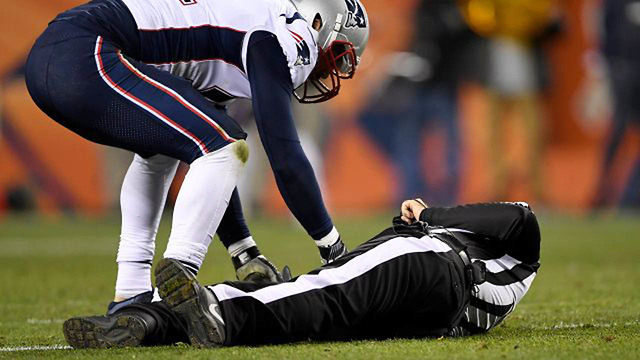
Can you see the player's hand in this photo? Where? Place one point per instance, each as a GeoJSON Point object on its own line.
{"type": "Point", "coordinates": [410, 210]}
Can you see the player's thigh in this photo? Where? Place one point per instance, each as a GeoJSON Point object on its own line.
{"type": "Point", "coordinates": [170, 101]}
{"type": "Point", "coordinates": [102, 95]}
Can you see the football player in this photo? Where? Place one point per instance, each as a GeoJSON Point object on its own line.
{"type": "Point", "coordinates": [152, 77]}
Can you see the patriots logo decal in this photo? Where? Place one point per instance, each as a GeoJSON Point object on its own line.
{"type": "Point", "coordinates": [304, 53]}
{"type": "Point", "coordinates": [355, 15]}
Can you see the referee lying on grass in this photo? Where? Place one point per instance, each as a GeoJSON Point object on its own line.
{"type": "Point", "coordinates": [437, 271]}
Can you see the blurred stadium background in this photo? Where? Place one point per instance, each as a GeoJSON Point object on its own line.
{"type": "Point", "coordinates": [455, 101]}
{"type": "Point", "coordinates": [475, 100]}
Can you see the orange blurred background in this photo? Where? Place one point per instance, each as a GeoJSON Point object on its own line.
{"type": "Point", "coordinates": [68, 174]}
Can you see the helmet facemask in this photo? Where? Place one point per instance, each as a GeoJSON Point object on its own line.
{"type": "Point", "coordinates": [337, 62]}
{"type": "Point", "coordinates": [343, 32]}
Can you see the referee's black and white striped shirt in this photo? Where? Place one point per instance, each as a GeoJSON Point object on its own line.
{"type": "Point", "coordinates": [509, 246]}
{"type": "Point", "coordinates": [504, 236]}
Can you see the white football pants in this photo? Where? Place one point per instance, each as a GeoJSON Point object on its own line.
{"type": "Point", "coordinates": [201, 203]}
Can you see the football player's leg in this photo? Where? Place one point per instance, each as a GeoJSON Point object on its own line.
{"type": "Point", "coordinates": [142, 199]}
{"type": "Point", "coordinates": [63, 75]}
{"type": "Point", "coordinates": [233, 227]}
{"type": "Point", "coordinates": [215, 150]}
{"type": "Point", "coordinates": [246, 258]}
{"type": "Point", "coordinates": [97, 92]}
{"type": "Point", "coordinates": [201, 203]}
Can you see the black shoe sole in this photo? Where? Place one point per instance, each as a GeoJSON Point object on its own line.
{"type": "Point", "coordinates": [104, 332]}
{"type": "Point", "coordinates": [184, 295]}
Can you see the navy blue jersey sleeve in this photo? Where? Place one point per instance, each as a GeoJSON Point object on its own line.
{"type": "Point", "coordinates": [511, 226]}
{"type": "Point", "coordinates": [271, 89]}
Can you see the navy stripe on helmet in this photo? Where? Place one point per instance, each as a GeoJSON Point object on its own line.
{"type": "Point", "coordinates": [294, 17]}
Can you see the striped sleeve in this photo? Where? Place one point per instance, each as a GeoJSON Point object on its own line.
{"type": "Point", "coordinates": [508, 280]}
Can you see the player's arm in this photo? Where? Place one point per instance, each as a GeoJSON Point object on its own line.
{"type": "Point", "coordinates": [512, 226]}
{"type": "Point", "coordinates": [271, 90]}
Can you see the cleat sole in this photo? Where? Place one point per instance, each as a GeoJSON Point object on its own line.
{"type": "Point", "coordinates": [184, 295]}
{"type": "Point", "coordinates": [104, 332]}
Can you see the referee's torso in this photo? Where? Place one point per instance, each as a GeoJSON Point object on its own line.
{"type": "Point", "coordinates": [503, 236]}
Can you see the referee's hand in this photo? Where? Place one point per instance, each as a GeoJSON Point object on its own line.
{"type": "Point", "coordinates": [410, 210]}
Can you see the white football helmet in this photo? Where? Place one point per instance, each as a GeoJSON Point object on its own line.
{"type": "Point", "coordinates": [342, 38]}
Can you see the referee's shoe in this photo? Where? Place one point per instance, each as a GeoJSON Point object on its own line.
{"type": "Point", "coordinates": [121, 329]}
{"type": "Point", "coordinates": [180, 290]}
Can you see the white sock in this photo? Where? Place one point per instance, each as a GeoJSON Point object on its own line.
{"type": "Point", "coordinates": [330, 239]}
{"type": "Point", "coordinates": [143, 195]}
{"type": "Point", "coordinates": [202, 200]}
{"type": "Point", "coordinates": [238, 247]}
{"type": "Point", "coordinates": [133, 279]}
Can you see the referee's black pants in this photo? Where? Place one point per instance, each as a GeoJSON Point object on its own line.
{"type": "Point", "coordinates": [390, 286]}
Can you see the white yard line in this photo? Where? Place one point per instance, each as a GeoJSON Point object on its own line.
{"type": "Point", "coordinates": [562, 325]}
{"type": "Point", "coordinates": [44, 321]}
{"type": "Point", "coordinates": [35, 347]}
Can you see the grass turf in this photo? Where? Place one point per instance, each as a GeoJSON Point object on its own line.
{"type": "Point", "coordinates": [585, 302]}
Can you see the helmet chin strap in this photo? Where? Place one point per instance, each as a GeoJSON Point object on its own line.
{"type": "Point", "coordinates": [337, 26]}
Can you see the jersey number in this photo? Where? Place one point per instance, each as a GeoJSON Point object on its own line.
{"type": "Point", "coordinates": [188, 2]}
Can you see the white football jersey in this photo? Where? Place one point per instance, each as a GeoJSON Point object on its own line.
{"type": "Point", "coordinates": [211, 37]}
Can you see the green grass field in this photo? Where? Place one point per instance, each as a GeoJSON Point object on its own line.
{"type": "Point", "coordinates": [585, 302]}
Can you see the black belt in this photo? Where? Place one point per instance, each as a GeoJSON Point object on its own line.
{"type": "Point", "coordinates": [474, 272]}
